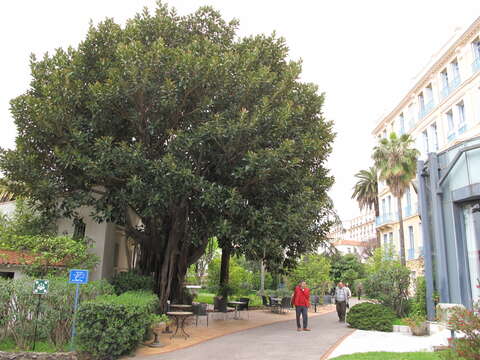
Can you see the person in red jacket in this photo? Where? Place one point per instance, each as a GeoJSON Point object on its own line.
{"type": "Point", "coordinates": [301, 300]}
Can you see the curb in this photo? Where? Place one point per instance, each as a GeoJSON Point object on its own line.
{"type": "Point", "coordinates": [332, 348]}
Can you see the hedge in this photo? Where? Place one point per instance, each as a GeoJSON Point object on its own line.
{"type": "Point", "coordinates": [370, 316]}
{"type": "Point", "coordinates": [111, 326]}
{"type": "Point", "coordinates": [131, 281]}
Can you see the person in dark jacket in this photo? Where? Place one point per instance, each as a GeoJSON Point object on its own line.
{"type": "Point", "coordinates": [301, 300]}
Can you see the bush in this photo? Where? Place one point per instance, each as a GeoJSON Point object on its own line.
{"type": "Point", "coordinates": [131, 281]}
{"type": "Point", "coordinates": [111, 326]}
{"type": "Point", "coordinates": [466, 322]}
{"type": "Point", "coordinates": [369, 316]}
{"type": "Point", "coordinates": [18, 306]}
{"type": "Point", "coordinates": [389, 285]}
{"type": "Point", "coordinates": [419, 302]}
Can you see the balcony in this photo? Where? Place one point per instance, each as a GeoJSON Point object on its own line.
{"type": "Point", "coordinates": [451, 136]}
{"type": "Point", "coordinates": [425, 109]}
{"type": "Point", "coordinates": [386, 219]}
{"type": "Point", "coordinates": [410, 210]}
{"type": "Point", "coordinates": [462, 128]}
{"type": "Point", "coordinates": [448, 88]}
{"type": "Point", "coordinates": [476, 65]}
{"type": "Point", "coordinates": [411, 254]}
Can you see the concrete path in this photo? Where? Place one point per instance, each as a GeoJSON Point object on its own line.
{"type": "Point", "coordinates": [279, 341]}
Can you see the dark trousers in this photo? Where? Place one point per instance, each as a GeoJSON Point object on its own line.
{"type": "Point", "coordinates": [341, 309]}
{"type": "Point", "coordinates": [302, 310]}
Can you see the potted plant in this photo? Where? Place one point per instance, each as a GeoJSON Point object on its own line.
{"type": "Point", "coordinates": [418, 325]}
{"type": "Point", "coordinates": [157, 323]}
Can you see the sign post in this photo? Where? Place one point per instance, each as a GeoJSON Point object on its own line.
{"type": "Point", "coordinates": [40, 287]}
{"type": "Point", "coordinates": [76, 277]}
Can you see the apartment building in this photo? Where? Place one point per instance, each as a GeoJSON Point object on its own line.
{"type": "Point", "coordinates": [355, 235]}
{"type": "Point", "coordinates": [442, 113]}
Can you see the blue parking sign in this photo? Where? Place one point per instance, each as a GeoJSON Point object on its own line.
{"type": "Point", "coordinates": [78, 276]}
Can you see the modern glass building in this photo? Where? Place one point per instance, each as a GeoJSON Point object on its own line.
{"type": "Point", "coordinates": [449, 206]}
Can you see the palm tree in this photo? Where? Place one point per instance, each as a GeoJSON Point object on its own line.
{"type": "Point", "coordinates": [396, 161]}
{"type": "Point", "coordinates": [365, 192]}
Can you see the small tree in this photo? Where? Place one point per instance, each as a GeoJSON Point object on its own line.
{"type": "Point", "coordinates": [315, 270]}
{"type": "Point", "coordinates": [389, 285]}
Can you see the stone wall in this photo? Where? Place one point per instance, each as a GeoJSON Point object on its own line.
{"type": "Point", "coordinates": [37, 356]}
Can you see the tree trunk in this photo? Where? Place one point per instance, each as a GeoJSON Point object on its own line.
{"type": "Point", "coordinates": [402, 235]}
{"type": "Point", "coordinates": [377, 214]}
{"type": "Point", "coordinates": [225, 270]}
{"type": "Point", "coordinates": [262, 278]}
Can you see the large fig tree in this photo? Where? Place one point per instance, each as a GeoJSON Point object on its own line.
{"type": "Point", "coordinates": [178, 130]}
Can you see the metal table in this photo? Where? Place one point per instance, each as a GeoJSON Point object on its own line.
{"type": "Point", "coordinates": [180, 317]}
{"type": "Point", "coordinates": [236, 304]}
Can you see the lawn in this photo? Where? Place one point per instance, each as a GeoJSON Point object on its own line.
{"type": "Point", "coordinates": [390, 356]}
{"type": "Point", "coordinates": [41, 346]}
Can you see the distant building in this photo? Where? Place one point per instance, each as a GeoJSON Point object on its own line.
{"type": "Point", "coordinates": [354, 236]}
{"type": "Point", "coordinates": [109, 244]}
{"type": "Point", "coordinates": [442, 113]}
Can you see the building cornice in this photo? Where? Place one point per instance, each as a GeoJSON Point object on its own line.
{"type": "Point", "coordinates": [427, 76]}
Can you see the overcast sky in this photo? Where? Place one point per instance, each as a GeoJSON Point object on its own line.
{"type": "Point", "coordinates": [362, 54]}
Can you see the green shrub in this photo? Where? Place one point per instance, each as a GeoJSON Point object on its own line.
{"type": "Point", "coordinates": [55, 310]}
{"type": "Point", "coordinates": [389, 285]}
{"type": "Point", "coordinates": [111, 326]}
{"type": "Point", "coordinates": [419, 302]}
{"type": "Point", "coordinates": [131, 281]}
{"type": "Point", "coordinates": [370, 316]}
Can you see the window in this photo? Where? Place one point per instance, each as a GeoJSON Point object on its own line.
{"type": "Point", "coordinates": [384, 133]}
{"type": "Point", "coordinates": [401, 124]}
{"type": "Point", "coordinates": [421, 106]}
{"type": "Point", "coordinates": [450, 126]}
{"type": "Point", "coordinates": [428, 97]}
{"type": "Point", "coordinates": [411, 115]}
{"type": "Point", "coordinates": [476, 48]}
{"type": "Point", "coordinates": [425, 142]}
{"type": "Point", "coordinates": [455, 73]}
{"type": "Point", "coordinates": [444, 78]}
{"type": "Point", "coordinates": [349, 250]}
{"type": "Point", "coordinates": [384, 208]}
{"type": "Point", "coordinates": [434, 137]}
{"type": "Point", "coordinates": [390, 235]}
{"type": "Point", "coordinates": [79, 229]}
{"type": "Point", "coordinates": [461, 117]}
{"type": "Point", "coordinates": [411, 237]}
{"type": "Point", "coordinates": [389, 203]}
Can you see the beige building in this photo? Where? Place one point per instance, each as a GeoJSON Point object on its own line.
{"type": "Point", "coordinates": [353, 236]}
{"type": "Point", "coordinates": [441, 110]}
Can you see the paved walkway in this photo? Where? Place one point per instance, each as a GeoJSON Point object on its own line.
{"type": "Point", "coordinates": [279, 341]}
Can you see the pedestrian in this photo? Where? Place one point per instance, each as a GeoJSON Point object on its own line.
{"type": "Point", "coordinates": [301, 300]}
{"type": "Point", "coordinates": [349, 294]}
{"type": "Point", "coordinates": [341, 299]}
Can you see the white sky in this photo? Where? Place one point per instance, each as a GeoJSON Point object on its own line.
{"type": "Point", "coordinates": [362, 54]}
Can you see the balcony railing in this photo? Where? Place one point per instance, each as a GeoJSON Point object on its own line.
{"type": "Point", "coordinates": [425, 109]}
{"type": "Point", "coordinates": [410, 210]}
{"type": "Point", "coordinates": [386, 218]}
{"type": "Point", "coordinates": [451, 136]}
{"type": "Point", "coordinates": [448, 88]}
{"type": "Point", "coordinates": [411, 254]}
{"type": "Point", "coordinates": [420, 251]}
{"type": "Point", "coordinates": [476, 65]}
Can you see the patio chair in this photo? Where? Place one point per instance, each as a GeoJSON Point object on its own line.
{"type": "Point", "coordinates": [285, 304]}
{"type": "Point", "coordinates": [274, 305]}
{"type": "Point", "coordinates": [200, 310]}
{"type": "Point", "coordinates": [245, 306]}
{"type": "Point", "coordinates": [219, 306]}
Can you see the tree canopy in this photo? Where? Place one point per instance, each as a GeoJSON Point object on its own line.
{"type": "Point", "coordinates": [178, 123]}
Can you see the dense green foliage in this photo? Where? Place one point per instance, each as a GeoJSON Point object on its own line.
{"type": "Point", "coordinates": [370, 316]}
{"type": "Point", "coordinates": [30, 232]}
{"type": "Point", "coordinates": [314, 269]}
{"type": "Point", "coordinates": [241, 279]}
{"type": "Point", "coordinates": [179, 123]}
{"type": "Point", "coordinates": [418, 306]}
{"type": "Point", "coordinates": [346, 268]}
{"type": "Point", "coordinates": [390, 285]}
{"type": "Point", "coordinates": [467, 323]}
{"type": "Point", "coordinates": [111, 326]}
{"type": "Point", "coordinates": [131, 281]}
{"type": "Point", "coordinates": [396, 161]}
{"type": "Point", "coordinates": [55, 311]}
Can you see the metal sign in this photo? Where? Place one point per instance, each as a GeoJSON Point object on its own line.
{"type": "Point", "coordinates": [78, 276]}
{"type": "Point", "coordinates": [40, 287]}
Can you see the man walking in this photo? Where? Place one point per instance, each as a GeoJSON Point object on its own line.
{"type": "Point", "coordinates": [301, 300]}
{"type": "Point", "coordinates": [341, 299]}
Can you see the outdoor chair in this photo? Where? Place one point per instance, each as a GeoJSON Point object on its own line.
{"type": "Point", "coordinates": [219, 306]}
{"type": "Point", "coordinates": [245, 306]}
{"type": "Point", "coordinates": [200, 310]}
{"type": "Point", "coordinates": [274, 305]}
{"type": "Point", "coordinates": [285, 305]}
